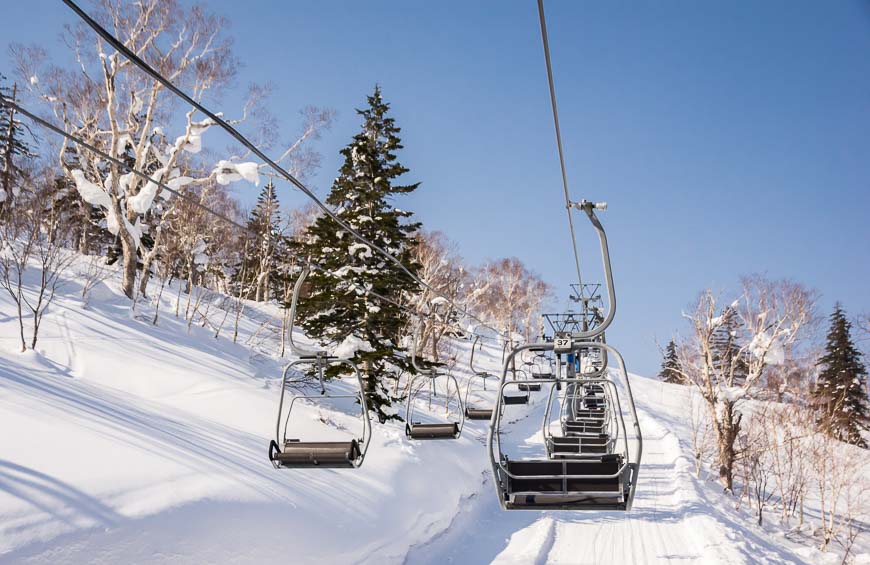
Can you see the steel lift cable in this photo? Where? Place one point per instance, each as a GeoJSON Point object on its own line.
{"type": "Point", "coordinates": [568, 204]}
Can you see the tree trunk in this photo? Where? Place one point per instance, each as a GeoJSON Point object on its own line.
{"type": "Point", "coordinates": [727, 429]}
{"type": "Point", "coordinates": [7, 166]}
{"type": "Point", "coordinates": [146, 265]}
{"type": "Point", "coordinates": [128, 280]}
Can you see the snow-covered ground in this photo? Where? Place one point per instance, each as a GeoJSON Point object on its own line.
{"type": "Point", "coordinates": [121, 441]}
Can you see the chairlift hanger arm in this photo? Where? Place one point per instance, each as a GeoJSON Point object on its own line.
{"type": "Point", "coordinates": [589, 208]}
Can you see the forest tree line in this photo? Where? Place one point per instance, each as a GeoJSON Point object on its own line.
{"type": "Point", "coordinates": [60, 198]}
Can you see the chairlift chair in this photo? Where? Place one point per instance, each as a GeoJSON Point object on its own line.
{"type": "Point", "coordinates": [574, 475]}
{"type": "Point", "coordinates": [585, 432]}
{"type": "Point", "coordinates": [473, 412]}
{"type": "Point", "coordinates": [440, 430]}
{"type": "Point", "coordinates": [541, 366]}
{"type": "Point", "coordinates": [295, 453]}
{"type": "Point", "coordinates": [605, 482]}
{"type": "Point", "coordinates": [518, 399]}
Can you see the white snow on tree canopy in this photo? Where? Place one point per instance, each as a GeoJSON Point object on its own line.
{"type": "Point", "coordinates": [179, 182]}
{"type": "Point", "coordinates": [768, 348]}
{"type": "Point", "coordinates": [90, 192]}
{"type": "Point", "coordinates": [136, 104]}
{"type": "Point", "coordinates": [199, 253]}
{"type": "Point", "coordinates": [141, 203]}
{"type": "Point", "coordinates": [362, 249]}
{"type": "Point", "coordinates": [730, 393]}
{"type": "Point", "coordinates": [349, 347]}
{"type": "Point", "coordinates": [123, 142]}
{"type": "Point", "coordinates": [438, 300]}
{"type": "Point", "coordinates": [192, 143]}
{"type": "Point", "coordinates": [227, 172]}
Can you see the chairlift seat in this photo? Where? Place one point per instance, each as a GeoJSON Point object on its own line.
{"type": "Point", "coordinates": [589, 414]}
{"type": "Point", "coordinates": [324, 454]}
{"type": "Point", "coordinates": [594, 420]}
{"type": "Point", "coordinates": [529, 387]}
{"type": "Point", "coordinates": [544, 484]}
{"type": "Point", "coordinates": [538, 375]}
{"type": "Point", "coordinates": [510, 399]}
{"type": "Point", "coordinates": [478, 413]}
{"type": "Point", "coordinates": [432, 431]}
{"type": "Point", "coordinates": [571, 427]}
{"type": "Point", "coordinates": [577, 446]}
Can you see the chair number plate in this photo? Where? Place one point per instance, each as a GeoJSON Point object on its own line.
{"type": "Point", "coordinates": [562, 345]}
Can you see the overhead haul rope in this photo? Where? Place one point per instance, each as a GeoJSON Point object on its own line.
{"type": "Point", "coordinates": [568, 203]}
{"type": "Point", "coordinates": [147, 69]}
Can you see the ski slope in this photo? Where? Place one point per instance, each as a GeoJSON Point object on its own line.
{"type": "Point", "coordinates": [128, 442]}
{"type": "Point", "coordinates": [671, 521]}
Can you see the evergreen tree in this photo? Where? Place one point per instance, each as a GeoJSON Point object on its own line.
{"type": "Point", "coordinates": [257, 274]}
{"type": "Point", "coordinates": [840, 394]}
{"type": "Point", "coordinates": [80, 222]}
{"type": "Point", "coordinates": [13, 146]}
{"type": "Point", "coordinates": [727, 357]}
{"type": "Point", "coordinates": [340, 309]}
{"type": "Point", "coordinates": [671, 368]}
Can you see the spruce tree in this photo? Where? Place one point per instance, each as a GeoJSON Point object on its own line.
{"type": "Point", "coordinates": [840, 394]}
{"type": "Point", "coordinates": [80, 221]}
{"type": "Point", "coordinates": [671, 368]}
{"type": "Point", "coordinates": [257, 273]}
{"type": "Point", "coordinates": [725, 343]}
{"type": "Point", "coordinates": [340, 309]}
{"type": "Point", "coordinates": [13, 145]}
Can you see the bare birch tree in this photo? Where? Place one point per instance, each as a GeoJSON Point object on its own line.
{"type": "Point", "coordinates": [773, 315]}
{"type": "Point", "coordinates": [109, 103]}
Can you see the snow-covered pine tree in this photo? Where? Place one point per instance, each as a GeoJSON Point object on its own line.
{"type": "Point", "coordinates": [257, 273]}
{"type": "Point", "coordinates": [840, 394]}
{"type": "Point", "coordinates": [13, 146]}
{"type": "Point", "coordinates": [729, 357]}
{"type": "Point", "coordinates": [339, 309]}
{"type": "Point", "coordinates": [672, 371]}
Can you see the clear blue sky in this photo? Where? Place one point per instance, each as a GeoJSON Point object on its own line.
{"type": "Point", "coordinates": [728, 138]}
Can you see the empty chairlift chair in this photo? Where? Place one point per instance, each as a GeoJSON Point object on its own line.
{"type": "Point", "coordinates": [294, 453]}
{"type": "Point", "coordinates": [529, 386]}
{"type": "Point", "coordinates": [584, 433]}
{"type": "Point", "coordinates": [574, 474]}
{"type": "Point", "coordinates": [474, 405]}
{"type": "Point", "coordinates": [605, 482]}
{"type": "Point", "coordinates": [447, 429]}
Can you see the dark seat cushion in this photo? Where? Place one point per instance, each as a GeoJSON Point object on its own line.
{"type": "Point", "coordinates": [607, 465]}
{"type": "Point", "coordinates": [516, 399]}
{"type": "Point", "coordinates": [318, 453]}
{"type": "Point", "coordinates": [478, 413]}
{"type": "Point", "coordinates": [432, 431]}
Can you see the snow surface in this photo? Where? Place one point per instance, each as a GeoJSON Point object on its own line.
{"type": "Point", "coordinates": [126, 442]}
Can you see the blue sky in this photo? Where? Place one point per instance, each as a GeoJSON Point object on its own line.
{"type": "Point", "coordinates": [728, 138]}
